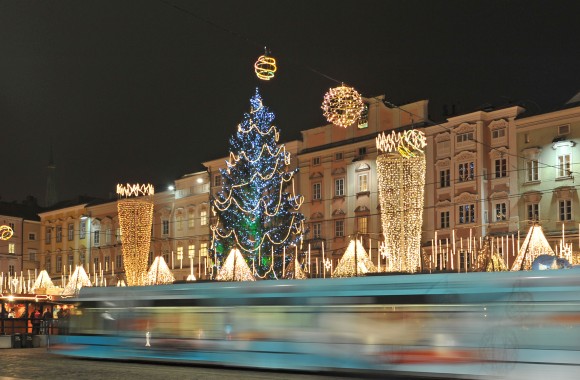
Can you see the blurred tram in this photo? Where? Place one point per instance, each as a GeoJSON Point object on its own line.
{"type": "Point", "coordinates": [508, 325]}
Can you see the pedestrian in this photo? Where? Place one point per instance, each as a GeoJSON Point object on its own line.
{"type": "Point", "coordinates": [47, 321]}
{"type": "Point", "coordinates": [35, 318]}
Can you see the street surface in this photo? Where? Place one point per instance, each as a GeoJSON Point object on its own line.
{"type": "Point", "coordinates": [38, 363]}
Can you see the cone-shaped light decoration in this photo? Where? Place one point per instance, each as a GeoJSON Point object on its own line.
{"type": "Point", "coordinates": [78, 279]}
{"type": "Point", "coordinates": [534, 245]}
{"type": "Point", "coordinates": [159, 273]}
{"type": "Point", "coordinates": [355, 253]}
{"type": "Point", "coordinates": [43, 281]}
{"type": "Point", "coordinates": [235, 268]}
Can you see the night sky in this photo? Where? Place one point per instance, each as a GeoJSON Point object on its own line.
{"type": "Point", "coordinates": [145, 91]}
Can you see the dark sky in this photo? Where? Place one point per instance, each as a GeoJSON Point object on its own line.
{"type": "Point", "coordinates": [141, 91]}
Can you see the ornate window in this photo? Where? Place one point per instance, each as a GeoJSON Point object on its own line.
{"type": "Point", "coordinates": [533, 212]}
{"type": "Point", "coordinates": [565, 209]}
{"type": "Point", "coordinates": [339, 187]}
{"type": "Point", "coordinates": [316, 230]}
{"type": "Point", "coordinates": [339, 228]}
{"type": "Point", "coordinates": [467, 213]}
{"type": "Point", "coordinates": [564, 165]}
{"type": "Point", "coordinates": [500, 211]}
{"type": "Point", "coordinates": [466, 171]}
{"type": "Point", "coordinates": [362, 223]}
{"type": "Point", "coordinates": [444, 178]}
{"type": "Point", "coordinates": [532, 172]}
{"type": "Point", "coordinates": [444, 219]}
{"type": "Point", "coordinates": [316, 191]}
{"type": "Point", "coordinates": [58, 233]}
{"type": "Point", "coordinates": [501, 167]}
{"type": "Point", "coordinates": [363, 182]}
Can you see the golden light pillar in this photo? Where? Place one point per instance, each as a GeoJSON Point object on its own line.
{"type": "Point", "coordinates": [135, 208]}
{"type": "Point", "coordinates": [401, 180]}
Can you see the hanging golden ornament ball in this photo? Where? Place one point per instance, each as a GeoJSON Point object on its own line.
{"type": "Point", "coordinates": [6, 232]}
{"type": "Point", "coordinates": [265, 67]}
{"type": "Point", "coordinates": [342, 106]}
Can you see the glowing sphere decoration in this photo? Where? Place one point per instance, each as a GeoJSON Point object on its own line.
{"type": "Point", "coordinates": [6, 232]}
{"type": "Point", "coordinates": [342, 106]}
{"type": "Point", "coordinates": [265, 67]}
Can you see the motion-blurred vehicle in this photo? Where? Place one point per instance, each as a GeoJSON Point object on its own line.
{"type": "Point", "coordinates": [509, 325]}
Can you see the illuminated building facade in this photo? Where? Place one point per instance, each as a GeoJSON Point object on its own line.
{"type": "Point", "coordinates": [494, 173]}
{"type": "Point", "coordinates": [19, 252]}
{"type": "Point", "coordinates": [338, 178]}
{"type": "Point", "coordinates": [490, 173]}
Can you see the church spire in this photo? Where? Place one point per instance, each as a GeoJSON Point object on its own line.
{"type": "Point", "coordinates": [50, 198]}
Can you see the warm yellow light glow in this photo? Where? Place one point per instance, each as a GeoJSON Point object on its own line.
{"type": "Point", "coordinates": [77, 280]}
{"type": "Point", "coordinates": [355, 252]}
{"type": "Point", "coordinates": [43, 281]}
{"type": "Point", "coordinates": [265, 67]}
{"type": "Point", "coordinates": [135, 219]}
{"type": "Point", "coordinates": [294, 271]}
{"type": "Point", "coordinates": [401, 195]}
{"type": "Point", "coordinates": [6, 232]}
{"type": "Point", "coordinates": [159, 273]}
{"type": "Point", "coordinates": [488, 261]}
{"type": "Point", "coordinates": [235, 268]}
{"type": "Point", "coordinates": [534, 245]}
{"type": "Point", "coordinates": [342, 106]}
{"type": "Point", "coordinates": [407, 143]}
{"type": "Point", "coordinates": [135, 190]}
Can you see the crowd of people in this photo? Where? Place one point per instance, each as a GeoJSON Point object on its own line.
{"type": "Point", "coordinates": [43, 322]}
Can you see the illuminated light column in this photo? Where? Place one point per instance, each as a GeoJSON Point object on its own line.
{"type": "Point", "coordinates": [401, 178]}
{"type": "Point", "coordinates": [135, 208]}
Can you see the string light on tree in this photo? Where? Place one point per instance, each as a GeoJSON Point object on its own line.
{"type": "Point", "coordinates": [135, 220]}
{"type": "Point", "coordinates": [265, 66]}
{"type": "Point", "coordinates": [401, 177]}
{"type": "Point", "coordinates": [342, 106]}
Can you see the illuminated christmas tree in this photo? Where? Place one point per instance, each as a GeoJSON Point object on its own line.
{"type": "Point", "coordinates": [254, 211]}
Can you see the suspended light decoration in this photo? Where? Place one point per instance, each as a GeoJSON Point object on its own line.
{"type": "Point", "coordinates": [401, 177]}
{"type": "Point", "coordinates": [6, 232]}
{"type": "Point", "coordinates": [342, 106]}
{"type": "Point", "coordinates": [135, 220]}
{"type": "Point", "coordinates": [265, 66]}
